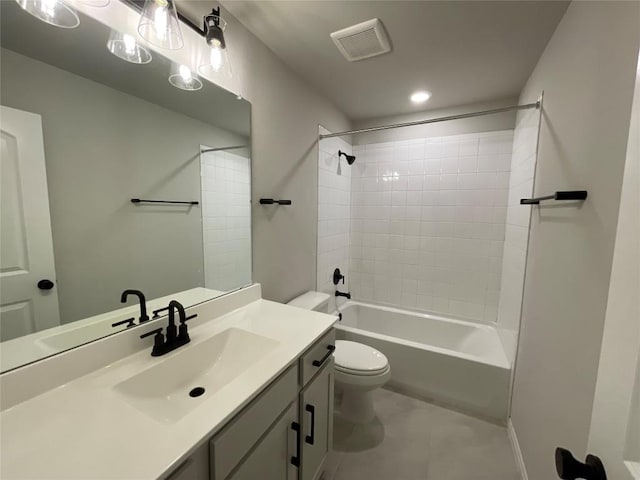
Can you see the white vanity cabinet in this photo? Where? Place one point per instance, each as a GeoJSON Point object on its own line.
{"type": "Point", "coordinates": [283, 434]}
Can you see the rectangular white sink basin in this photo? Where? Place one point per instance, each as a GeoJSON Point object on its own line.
{"type": "Point", "coordinates": [166, 392]}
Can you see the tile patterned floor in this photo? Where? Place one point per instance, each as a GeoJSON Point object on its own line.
{"type": "Point", "coordinates": [415, 440]}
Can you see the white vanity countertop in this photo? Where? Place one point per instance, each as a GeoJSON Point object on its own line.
{"type": "Point", "coordinates": [86, 429]}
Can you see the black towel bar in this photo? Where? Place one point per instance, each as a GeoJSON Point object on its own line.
{"type": "Point", "coordinates": [566, 195]}
{"type": "Point", "coordinates": [174, 202]}
{"type": "Point", "coordinates": [271, 201]}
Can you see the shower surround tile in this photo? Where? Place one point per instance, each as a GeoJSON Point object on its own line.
{"type": "Point", "coordinates": [427, 222]}
{"type": "Point", "coordinates": [334, 214]}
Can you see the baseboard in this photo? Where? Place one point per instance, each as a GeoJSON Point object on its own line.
{"type": "Point", "coordinates": [517, 453]}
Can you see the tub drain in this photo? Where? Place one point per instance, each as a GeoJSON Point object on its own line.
{"type": "Point", "coordinates": [196, 392]}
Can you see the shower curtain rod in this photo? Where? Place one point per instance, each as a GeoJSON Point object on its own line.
{"type": "Point", "coordinates": [206, 150]}
{"type": "Point", "coordinates": [433, 120]}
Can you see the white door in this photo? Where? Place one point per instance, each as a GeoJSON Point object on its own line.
{"type": "Point", "coordinates": [28, 302]}
{"type": "Point", "coordinates": [615, 422]}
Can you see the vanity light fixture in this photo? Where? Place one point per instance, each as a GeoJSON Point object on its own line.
{"type": "Point", "coordinates": [159, 24]}
{"type": "Point", "coordinates": [53, 12]}
{"type": "Point", "coordinates": [420, 96]}
{"type": "Point", "coordinates": [183, 78]}
{"type": "Point", "coordinates": [217, 62]}
{"type": "Point", "coordinates": [124, 46]}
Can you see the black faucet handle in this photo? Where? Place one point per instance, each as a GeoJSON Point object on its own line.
{"type": "Point", "coordinates": [131, 321]}
{"type": "Point", "coordinates": [183, 330]}
{"type": "Point", "coordinates": [156, 313]}
{"type": "Point", "coordinates": [159, 347]}
{"type": "Point", "coordinates": [152, 332]}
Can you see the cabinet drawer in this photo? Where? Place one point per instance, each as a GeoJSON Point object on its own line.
{"type": "Point", "coordinates": [236, 439]}
{"type": "Point", "coordinates": [317, 357]}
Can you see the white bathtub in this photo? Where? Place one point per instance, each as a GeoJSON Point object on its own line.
{"type": "Point", "coordinates": [459, 363]}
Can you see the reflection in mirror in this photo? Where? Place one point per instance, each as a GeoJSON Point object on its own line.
{"type": "Point", "coordinates": [84, 132]}
{"type": "Point", "coordinates": [226, 213]}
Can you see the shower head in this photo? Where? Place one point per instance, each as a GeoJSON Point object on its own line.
{"type": "Point", "coordinates": [350, 158]}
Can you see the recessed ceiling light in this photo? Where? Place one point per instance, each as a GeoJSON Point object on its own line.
{"type": "Point", "coordinates": [420, 97]}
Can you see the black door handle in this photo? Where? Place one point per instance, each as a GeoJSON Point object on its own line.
{"type": "Point", "coordinates": [295, 460]}
{"type": "Point", "coordinates": [310, 438]}
{"type": "Point", "coordinates": [45, 284]}
{"type": "Point", "coordinates": [569, 468]}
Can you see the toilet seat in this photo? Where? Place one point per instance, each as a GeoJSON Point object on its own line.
{"type": "Point", "coordinates": [354, 358]}
{"type": "Point", "coordinates": [362, 373]}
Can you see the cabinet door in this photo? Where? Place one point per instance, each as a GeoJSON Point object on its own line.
{"type": "Point", "coordinates": [272, 458]}
{"type": "Point", "coordinates": [316, 413]}
{"type": "Point", "coordinates": [195, 467]}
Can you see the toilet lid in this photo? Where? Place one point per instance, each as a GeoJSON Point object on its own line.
{"type": "Point", "coordinates": [357, 357]}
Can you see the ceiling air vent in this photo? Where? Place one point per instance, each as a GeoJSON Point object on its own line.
{"type": "Point", "coordinates": [365, 40]}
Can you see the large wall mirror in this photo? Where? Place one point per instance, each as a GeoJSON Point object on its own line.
{"type": "Point", "coordinates": [83, 133]}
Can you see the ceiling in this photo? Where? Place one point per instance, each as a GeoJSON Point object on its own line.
{"type": "Point", "coordinates": [461, 51]}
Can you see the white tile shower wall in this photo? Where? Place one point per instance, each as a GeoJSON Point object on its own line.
{"type": "Point", "coordinates": [428, 222]}
{"type": "Point", "coordinates": [523, 164]}
{"type": "Point", "coordinates": [226, 219]}
{"type": "Point", "coordinates": [334, 200]}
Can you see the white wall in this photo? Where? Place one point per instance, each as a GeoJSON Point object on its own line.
{"type": "Point", "coordinates": [334, 210]}
{"type": "Point", "coordinates": [587, 73]}
{"type": "Point", "coordinates": [523, 167]}
{"type": "Point", "coordinates": [286, 113]}
{"type": "Point", "coordinates": [95, 164]}
{"type": "Point", "coordinates": [615, 423]}
{"type": "Point", "coordinates": [226, 219]}
{"type": "Point", "coordinates": [427, 222]}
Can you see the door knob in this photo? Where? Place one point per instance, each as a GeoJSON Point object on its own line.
{"type": "Point", "coordinates": [569, 468]}
{"type": "Point", "coordinates": [45, 284]}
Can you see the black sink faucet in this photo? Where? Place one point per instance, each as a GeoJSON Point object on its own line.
{"type": "Point", "coordinates": [172, 330]}
{"type": "Point", "coordinates": [143, 304]}
{"type": "Point", "coordinates": [175, 336]}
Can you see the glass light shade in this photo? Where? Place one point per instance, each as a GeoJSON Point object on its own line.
{"type": "Point", "coordinates": [217, 61]}
{"type": "Point", "coordinates": [53, 12]}
{"type": "Point", "coordinates": [159, 24]}
{"type": "Point", "coordinates": [124, 46]}
{"type": "Point", "coordinates": [216, 64]}
{"type": "Point", "coordinates": [183, 78]}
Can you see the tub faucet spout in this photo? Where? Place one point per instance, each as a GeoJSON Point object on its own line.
{"type": "Point", "coordinates": [343, 294]}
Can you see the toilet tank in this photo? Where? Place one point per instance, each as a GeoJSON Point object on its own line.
{"type": "Point", "coordinates": [316, 301]}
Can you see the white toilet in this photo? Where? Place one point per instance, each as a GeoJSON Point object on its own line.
{"type": "Point", "coordinates": [359, 368]}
